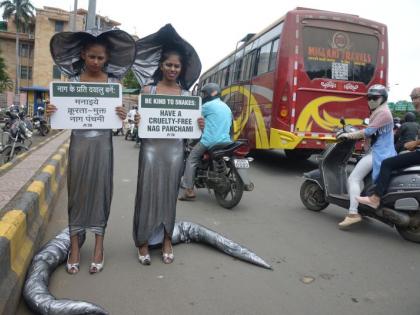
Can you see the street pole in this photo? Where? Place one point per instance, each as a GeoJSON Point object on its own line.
{"type": "Point", "coordinates": [73, 18]}
{"type": "Point", "coordinates": [91, 18]}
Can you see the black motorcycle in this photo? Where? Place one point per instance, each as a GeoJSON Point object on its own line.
{"type": "Point", "coordinates": [224, 169]}
{"type": "Point", "coordinates": [40, 123]}
{"type": "Point", "coordinates": [328, 184]}
{"type": "Point", "coordinates": [16, 140]}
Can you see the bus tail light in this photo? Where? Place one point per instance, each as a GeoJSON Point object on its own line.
{"type": "Point", "coordinates": [284, 112]}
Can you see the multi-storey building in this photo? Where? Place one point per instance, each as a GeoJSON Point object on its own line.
{"type": "Point", "coordinates": [37, 68]}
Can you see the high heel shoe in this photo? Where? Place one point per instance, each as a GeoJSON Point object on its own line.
{"type": "Point", "coordinates": [97, 267]}
{"type": "Point", "coordinates": [72, 268]}
{"type": "Point", "coordinates": [145, 259]}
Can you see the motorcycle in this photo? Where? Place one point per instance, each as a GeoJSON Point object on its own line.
{"type": "Point", "coordinates": [328, 184]}
{"type": "Point", "coordinates": [131, 133]}
{"type": "Point", "coordinates": [40, 123]}
{"type": "Point", "coordinates": [17, 140]}
{"type": "Point", "coordinates": [224, 169]}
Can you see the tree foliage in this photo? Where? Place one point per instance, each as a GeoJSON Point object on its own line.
{"type": "Point", "coordinates": [130, 81]}
{"type": "Point", "coordinates": [22, 9]}
{"type": "Point", "coordinates": [5, 81]}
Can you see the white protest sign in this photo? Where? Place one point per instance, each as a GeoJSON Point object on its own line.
{"type": "Point", "coordinates": [85, 105]}
{"type": "Point", "coordinates": [168, 116]}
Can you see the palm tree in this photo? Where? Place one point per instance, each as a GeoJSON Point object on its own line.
{"type": "Point", "coordinates": [5, 82]}
{"type": "Point", "coordinates": [23, 12]}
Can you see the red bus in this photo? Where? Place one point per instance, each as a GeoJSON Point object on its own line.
{"type": "Point", "coordinates": [289, 85]}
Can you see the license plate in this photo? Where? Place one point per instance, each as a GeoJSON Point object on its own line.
{"type": "Point", "coordinates": [241, 163]}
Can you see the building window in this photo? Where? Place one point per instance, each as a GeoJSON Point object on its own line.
{"type": "Point", "coordinates": [56, 72]}
{"type": "Point", "coordinates": [26, 72]}
{"type": "Point", "coordinates": [25, 50]}
{"type": "Point", "coordinates": [59, 26]}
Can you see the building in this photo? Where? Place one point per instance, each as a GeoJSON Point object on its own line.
{"type": "Point", "coordinates": [37, 69]}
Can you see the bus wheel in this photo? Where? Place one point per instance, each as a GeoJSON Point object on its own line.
{"type": "Point", "coordinates": [298, 154]}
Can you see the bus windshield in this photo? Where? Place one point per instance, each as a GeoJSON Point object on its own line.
{"type": "Point", "coordinates": [339, 55]}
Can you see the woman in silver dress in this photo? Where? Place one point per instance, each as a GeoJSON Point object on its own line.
{"type": "Point", "coordinates": [161, 161]}
{"type": "Point", "coordinates": [91, 57]}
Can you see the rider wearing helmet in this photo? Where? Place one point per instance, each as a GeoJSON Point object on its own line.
{"type": "Point", "coordinates": [379, 135]}
{"type": "Point", "coordinates": [396, 162]}
{"type": "Point", "coordinates": [217, 123]}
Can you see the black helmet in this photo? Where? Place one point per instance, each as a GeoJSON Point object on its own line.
{"type": "Point", "coordinates": [378, 90]}
{"type": "Point", "coordinates": [409, 117]}
{"type": "Point", "coordinates": [209, 88]}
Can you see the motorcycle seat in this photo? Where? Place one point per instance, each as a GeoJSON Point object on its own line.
{"type": "Point", "coordinates": [223, 149]}
{"type": "Point", "coordinates": [410, 169]}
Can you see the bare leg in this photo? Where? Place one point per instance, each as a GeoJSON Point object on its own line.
{"type": "Point", "coordinates": [74, 256]}
{"type": "Point", "coordinates": [73, 259]}
{"type": "Point", "coordinates": [143, 254]}
{"type": "Point", "coordinates": [167, 251]}
{"type": "Point", "coordinates": [144, 249]}
{"type": "Point", "coordinates": [98, 254]}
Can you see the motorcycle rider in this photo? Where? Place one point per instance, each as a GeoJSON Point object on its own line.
{"type": "Point", "coordinates": [379, 133]}
{"type": "Point", "coordinates": [394, 163]}
{"type": "Point", "coordinates": [408, 131]}
{"type": "Point", "coordinates": [217, 123]}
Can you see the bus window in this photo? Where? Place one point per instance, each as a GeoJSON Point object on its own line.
{"type": "Point", "coordinates": [237, 70]}
{"type": "Point", "coordinates": [339, 55]}
{"type": "Point", "coordinates": [264, 59]}
{"type": "Point", "coordinates": [226, 74]}
{"type": "Point", "coordinates": [250, 65]}
{"type": "Point", "coordinates": [273, 55]}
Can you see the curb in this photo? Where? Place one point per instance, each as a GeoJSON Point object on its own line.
{"type": "Point", "coordinates": [22, 228]}
{"type": "Point", "coordinates": [5, 167]}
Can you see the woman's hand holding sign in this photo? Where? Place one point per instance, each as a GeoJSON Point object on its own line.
{"type": "Point", "coordinates": [121, 112]}
{"type": "Point", "coordinates": [137, 118]}
{"type": "Point", "coordinates": [49, 108]}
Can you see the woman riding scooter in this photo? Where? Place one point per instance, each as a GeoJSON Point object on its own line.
{"type": "Point", "coordinates": [379, 135]}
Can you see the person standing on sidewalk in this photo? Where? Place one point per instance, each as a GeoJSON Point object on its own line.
{"type": "Point", "coordinates": [91, 57]}
{"type": "Point", "coordinates": [161, 161]}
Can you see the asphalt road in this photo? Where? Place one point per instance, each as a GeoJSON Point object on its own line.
{"type": "Point", "coordinates": [318, 269]}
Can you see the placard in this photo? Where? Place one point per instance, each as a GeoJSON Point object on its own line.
{"type": "Point", "coordinates": [168, 116]}
{"type": "Point", "coordinates": [85, 105]}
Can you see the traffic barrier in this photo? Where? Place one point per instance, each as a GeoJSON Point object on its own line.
{"type": "Point", "coordinates": [22, 228]}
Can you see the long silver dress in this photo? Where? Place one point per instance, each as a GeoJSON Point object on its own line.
{"type": "Point", "coordinates": [90, 178]}
{"type": "Point", "coordinates": [161, 165]}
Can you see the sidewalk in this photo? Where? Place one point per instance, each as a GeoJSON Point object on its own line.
{"type": "Point", "coordinates": [16, 178]}
{"type": "Point", "coordinates": [28, 191]}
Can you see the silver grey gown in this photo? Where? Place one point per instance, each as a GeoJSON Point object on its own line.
{"type": "Point", "coordinates": [90, 178]}
{"type": "Point", "coordinates": [161, 165]}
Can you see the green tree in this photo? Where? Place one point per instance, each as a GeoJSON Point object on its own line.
{"type": "Point", "coordinates": [5, 81]}
{"type": "Point", "coordinates": [22, 10]}
{"type": "Point", "coordinates": [130, 81]}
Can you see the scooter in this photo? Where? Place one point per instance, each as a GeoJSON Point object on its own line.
{"type": "Point", "coordinates": [328, 184]}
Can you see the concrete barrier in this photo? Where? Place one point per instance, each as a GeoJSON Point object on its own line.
{"type": "Point", "coordinates": [22, 228]}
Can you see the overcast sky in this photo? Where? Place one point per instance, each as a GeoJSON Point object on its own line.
{"type": "Point", "coordinates": [214, 27]}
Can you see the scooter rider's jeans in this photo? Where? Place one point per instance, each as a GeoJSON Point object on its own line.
{"type": "Point", "coordinates": [192, 162]}
{"type": "Point", "coordinates": [394, 163]}
{"type": "Point", "coordinates": [355, 182]}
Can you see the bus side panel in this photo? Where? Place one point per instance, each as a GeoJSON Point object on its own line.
{"type": "Point", "coordinates": [257, 129]}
